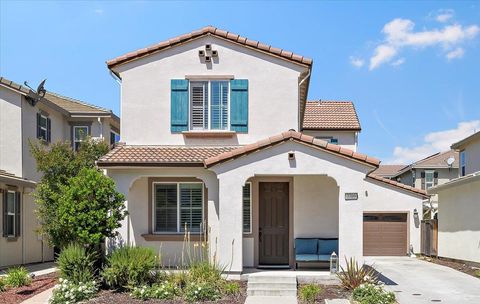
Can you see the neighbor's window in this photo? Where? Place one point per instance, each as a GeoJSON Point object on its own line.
{"type": "Point", "coordinates": [429, 179]}
{"type": "Point", "coordinates": [178, 206]}
{"type": "Point", "coordinates": [43, 127]}
{"type": "Point", "coordinates": [329, 139]}
{"type": "Point", "coordinates": [10, 218]}
{"type": "Point", "coordinates": [80, 133]}
{"type": "Point", "coordinates": [209, 105]}
{"type": "Point", "coordinates": [463, 163]}
{"type": "Point", "coordinates": [247, 208]}
{"type": "Point", "coordinates": [114, 138]}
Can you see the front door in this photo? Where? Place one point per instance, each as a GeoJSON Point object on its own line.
{"type": "Point", "coordinates": [273, 223]}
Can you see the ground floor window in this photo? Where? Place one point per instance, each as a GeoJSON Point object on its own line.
{"type": "Point", "coordinates": [11, 214]}
{"type": "Point", "coordinates": [178, 207]}
{"type": "Point", "coordinates": [247, 208]}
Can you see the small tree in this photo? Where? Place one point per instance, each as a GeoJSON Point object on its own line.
{"type": "Point", "coordinates": [59, 164]}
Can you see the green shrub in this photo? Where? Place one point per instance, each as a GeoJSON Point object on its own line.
{"type": "Point", "coordinates": [164, 291]}
{"type": "Point", "coordinates": [179, 279]}
{"type": "Point", "coordinates": [477, 273]}
{"type": "Point", "coordinates": [2, 284]}
{"type": "Point", "coordinates": [205, 272]}
{"type": "Point", "coordinates": [141, 293]}
{"type": "Point", "coordinates": [231, 288]}
{"type": "Point", "coordinates": [309, 293]}
{"type": "Point", "coordinates": [76, 264]}
{"type": "Point", "coordinates": [17, 277]}
{"type": "Point", "coordinates": [128, 267]}
{"type": "Point", "coordinates": [354, 276]}
{"type": "Point", "coordinates": [69, 292]}
{"type": "Point", "coordinates": [372, 294]}
{"type": "Point", "coordinates": [196, 292]}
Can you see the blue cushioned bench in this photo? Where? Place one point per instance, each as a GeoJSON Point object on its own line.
{"type": "Point", "coordinates": [314, 249]}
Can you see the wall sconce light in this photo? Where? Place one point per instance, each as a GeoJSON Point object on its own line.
{"type": "Point", "coordinates": [366, 193]}
{"type": "Point", "coordinates": [201, 53]}
{"type": "Point", "coordinates": [415, 212]}
{"type": "Point", "coordinates": [291, 155]}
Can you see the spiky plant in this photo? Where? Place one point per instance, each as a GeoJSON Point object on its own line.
{"type": "Point", "coordinates": [354, 275]}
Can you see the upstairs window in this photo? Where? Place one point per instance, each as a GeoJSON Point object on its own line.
{"type": "Point", "coordinates": [43, 127]}
{"type": "Point", "coordinates": [429, 179]}
{"type": "Point", "coordinates": [209, 105]}
{"type": "Point", "coordinates": [80, 133]}
{"type": "Point", "coordinates": [463, 163]}
{"type": "Point", "coordinates": [328, 139]}
{"type": "Point", "coordinates": [114, 138]}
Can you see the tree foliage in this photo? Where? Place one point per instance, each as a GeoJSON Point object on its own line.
{"type": "Point", "coordinates": [75, 202]}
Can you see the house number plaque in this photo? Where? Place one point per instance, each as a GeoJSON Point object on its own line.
{"type": "Point", "coordinates": [351, 196]}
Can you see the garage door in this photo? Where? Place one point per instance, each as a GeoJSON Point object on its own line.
{"type": "Point", "coordinates": [385, 234]}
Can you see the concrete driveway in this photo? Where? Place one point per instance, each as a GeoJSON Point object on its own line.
{"type": "Point", "coordinates": [415, 281]}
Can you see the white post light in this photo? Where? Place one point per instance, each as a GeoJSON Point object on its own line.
{"type": "Point", "coordinates": [333, 263]}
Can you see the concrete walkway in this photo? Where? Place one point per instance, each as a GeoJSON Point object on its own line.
{"type": "Point", "coordinates": [418, 282]}
{"type": "Point", "coordinates": [36, 269]}
{"type": "Point", "coordinates": [41, 298]}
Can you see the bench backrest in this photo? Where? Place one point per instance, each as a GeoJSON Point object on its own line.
{"type": "Point", "coordinates": [327, 246]}
{"type": "Point", "coordinates": [306, 246]}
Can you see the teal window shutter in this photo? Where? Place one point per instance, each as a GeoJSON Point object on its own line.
{"type": "Point", "coordinates": [179, 105]}
{"type": "Point", "coordinates": [239, 105]}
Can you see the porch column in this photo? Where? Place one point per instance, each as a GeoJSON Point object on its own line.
{"type": "Point", "coordinates": [350, 227]}
{"type": "Point", "coordinates": [230, 223]}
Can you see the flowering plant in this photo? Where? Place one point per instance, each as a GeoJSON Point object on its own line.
{"type": "Point", "coordinates": [67, 292]}
{"type": "Point", "coordinates": [196, 292]}
{"type": "Point", "coordinates": [370, 293]}
{"type": "Point", "coordinates": [165, 291]}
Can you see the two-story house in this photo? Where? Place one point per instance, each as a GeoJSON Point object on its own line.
{"type": "Point", "coordinates": [459, 205]}
{"type": "Point", "coordinates": [431, 171]}
{"type": "Point", "coordinates": [25, 116]}
{"type": "Point", "coordinates": [210, 146]}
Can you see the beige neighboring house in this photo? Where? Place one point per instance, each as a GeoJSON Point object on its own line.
{"type": "Point", "coordinates": [53, 118]}
{"type": "Point", "coordinates": [208, 126]}
{"type": "Point", "coordinates": [431, 171]}
{"type": "Point", "coordinates": [459, 205]}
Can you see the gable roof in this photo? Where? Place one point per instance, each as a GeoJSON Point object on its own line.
{"type": "Point", "coordinates": [210, 30]}
{"type": "Point", "coordinates": [387, 170]}
{"type": "Point", "coordinates": [434, 161]}
{"type": "Point", "coordinates": [330, 115]}
{"type": "Point", "coordinates": [66, 105]}
{"type": "Point", "coordinates": [462, 143]}
{"type": "Point", "coordinates": [295, 136]}
{"type": "Point", "coordinates": [12, 178]}
{"type": "Point", "coordinates": [393, 183]}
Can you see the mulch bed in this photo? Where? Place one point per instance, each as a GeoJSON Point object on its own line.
{"type": "Point", "coordinates": [20, 294]}
{"type": "Point", "coordinates": [329, 292]}
{"type": "Point", "coordinates": [455, 265]}
{"type": "Point", "coordinates": [109, 296]}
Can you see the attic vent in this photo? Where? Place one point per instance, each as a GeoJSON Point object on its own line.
{"type": "Point", "coordinates": [201, 53]}
{"type": "Point", "coordinates": [208, 47]}
{"type": "Point", "coordinates": [215, 53]}
{"type": "Point", "coordinates": [208, 59]}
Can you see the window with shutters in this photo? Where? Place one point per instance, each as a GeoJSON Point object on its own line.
{"type": "Point", "coordinates": [11, 211]}
{"type": "Point", "coordinates": [43, 126]}
{"type": "Point", "coordinates": [429, 179]}
{"type": "Point", "coordinates": [209, 105]}
{"type": "Point", "coordinates": [178, 207]}
{"type": "Point", "coordinates": [247, 208]}
{"type": "Point", "coordinates": [80, 133]}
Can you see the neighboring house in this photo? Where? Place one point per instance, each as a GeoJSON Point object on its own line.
{"type": "Point", "coordinates": [459, 205]}
{"type": "Point", "coordinates": [431, 171]}
{"type": "Point", "coordinates": [207, 125]}
{"type": "Point", "coordinates": [388, 171]}
{"type": "Point", "coordinates": [53, 118]}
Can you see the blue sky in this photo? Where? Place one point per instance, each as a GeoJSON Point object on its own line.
{"type": "Point", "coordinates": [412, 68]}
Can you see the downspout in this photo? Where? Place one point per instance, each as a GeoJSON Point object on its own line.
{"type": "Point", "coordinates": [99, 119]}
{"type": "Point", "coordinates": [299, 85]}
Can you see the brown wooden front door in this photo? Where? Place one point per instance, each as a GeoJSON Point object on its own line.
{"type": "Point", "coordinates": [273, 223]}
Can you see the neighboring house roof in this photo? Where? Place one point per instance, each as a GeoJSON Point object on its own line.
{"type": "Point", "coordinates": [420, 192]}
{"type": "Point", "coordinates": [209, 30]}
{"type": "Point", "coordinates": [435, 161]}
{"type": "Point", "coordinates": [295, 136]}
{"type": "Point", "coordinates": [455, 182]}
{"type": "Point", "coordinates": [388, 170]}
{"type": "Point", "coordinates": [126, 155]}
{"type": "Point", "coordinates": [68, 106]}
{"type": "Point", "coordinates": [330, 115]}
{"type": "Point", "coordinates": [462, 143]}
{"type": "Point", "coordinates": [12, 178]}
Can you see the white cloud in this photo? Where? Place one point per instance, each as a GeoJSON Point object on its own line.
{"type": "Point", "coordinates": [444, 15]}
{"type": "Point", "coordinates": [356, 62]}
{"type": "Point", "coordinates": [434, 142]}
{"type": "Point", "coordinates": [399, 34]}
{"type": "Point", "coordinates": [456, 53]}
{"type": "Point", "coordinates": [398, 62]}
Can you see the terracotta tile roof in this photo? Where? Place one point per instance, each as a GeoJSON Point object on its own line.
{"type": "Point", "coordinates": [63, 103]}
{"type": "Point", "coordinates": [330, 115]}
{"type": "Point", "coordinates": [388, 170]}
{"type": "Point", "coordinates": [209, 30]}
{"type": "Point", "coordinates": [435, 161]}
{"type": "Point", "coordinates": [296, 136]}
{"type": "Point", "coordinates": [420, 192]}
{"type": "Point", "coordinates": [123, 155]}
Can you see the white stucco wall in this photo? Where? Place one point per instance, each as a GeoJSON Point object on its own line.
{"type": "Point", "coordinates": [472, 153]}
{"type": "Point", "coordinates": [347, 139]}
{"type": "Point", "coordinates": [273, 91]}
{"type": "Point", "coordinates": [459, 222]}
{"type": "Point", "coordinates": [10, 131]}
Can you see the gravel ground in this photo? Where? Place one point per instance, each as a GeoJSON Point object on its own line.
{"type": "Point", "coordinates": [18, 295]}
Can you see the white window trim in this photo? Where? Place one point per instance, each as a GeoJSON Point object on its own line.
{"type": "Point", "coordinates": [209, 88]}
{"type": "Point", "coordinates": [42, 116]}
{"type": "Point", "coordinates": [178, 208]}
{"type": "Point", "coordinates": [14, 212]}
{"type": "Point", "coordinates": [73, 130]}
{"type": "Point", "coordinates": [251, 201]}
{"type": "Point", "coordinates": [433, 179]}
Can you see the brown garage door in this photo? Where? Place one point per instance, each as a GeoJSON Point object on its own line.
{"type": "Point", "coordinates": [385, 234]}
